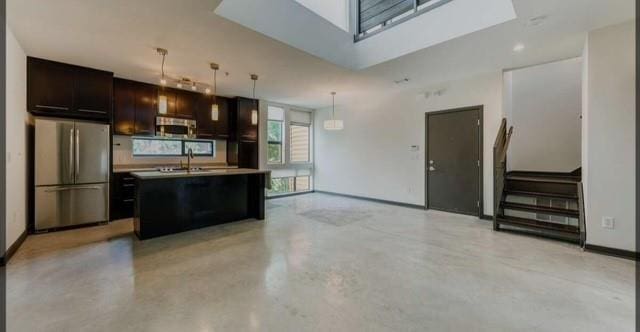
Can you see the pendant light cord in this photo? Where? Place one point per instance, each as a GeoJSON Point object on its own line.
{"type": "Point", "coordinates": [254, 89]}
{"type": "Point", "coordinates": [163, 66]}
{"type": "Point", "coordinates": [333, 116]}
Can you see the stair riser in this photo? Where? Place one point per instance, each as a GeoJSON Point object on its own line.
{"type": "Point", "coordinates": [542, 187]}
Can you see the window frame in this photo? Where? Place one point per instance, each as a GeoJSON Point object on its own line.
{"type": "Point", "coordinates": [281, 143]}
{"type": "Point", "coordinates": [183, 149]}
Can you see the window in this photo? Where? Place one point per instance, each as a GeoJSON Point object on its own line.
{"type": "Point", "coordinates": [289, 185]}
{"type": "Point", "coordinates": [199, 148]}
{"type": "Point", "coordinates": [156, 147]}
{"type": "Point", "coordinates": [147, 147]}
{"type": "Point", "coordinates": [377, 15]}
{"type": "Point", "coordinates": [300, 143]}
{"type": "Point", "coordinates": [275, 133]}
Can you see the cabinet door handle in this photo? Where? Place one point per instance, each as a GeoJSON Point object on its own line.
{"type": "Point", "coordinates": [128, 179]}
{"type": "Point", "coordinates": [128, 185]}
{"type": "Point", "coordinates": [128, 200]}
{"type": "Point", "coordinates": [91, 111]}
{"type": "Point", "coordinates": [53, 107]}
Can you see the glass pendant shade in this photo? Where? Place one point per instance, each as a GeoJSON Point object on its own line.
{"type": "Point", "coordinates": [162, 104]}
{"type": "Point", "coordinates": [254, 117]}
{"type": "Point", "coordinates": [215, 112]}
{"type": "Point", "coordinates": [334, 125]}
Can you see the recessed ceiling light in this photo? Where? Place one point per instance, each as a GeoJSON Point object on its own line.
{"type": "Point", "coordinates": [519, 47]}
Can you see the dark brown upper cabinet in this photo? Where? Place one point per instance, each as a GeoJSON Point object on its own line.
{"type": "Point", "coordinates": [135, 108]}
{"type": "Point", "coordinates": [58, 89]}
{"type": "Point", "coordinates": [124, 108]}
{"type": "Point", "coordinates": [247, 130]}
{"type": "Point", "coordinates": [49, 86]}
{"type": "Point", "coordinates": [186, 103]}
{"type": "Point", "coordinates": [93, 92]}
{"type": "Point", "coordinates": [170, 94]}
{"type": "Point", "coordinates": [207, 128]}
{"type": "Point", "coordinates": [146, 108]}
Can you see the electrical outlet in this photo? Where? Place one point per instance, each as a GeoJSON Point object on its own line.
{"type": "Point", "coordinates": [608, 222]}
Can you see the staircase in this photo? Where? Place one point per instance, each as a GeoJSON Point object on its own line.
{"type": "Point", "coordinates": [537, 203]}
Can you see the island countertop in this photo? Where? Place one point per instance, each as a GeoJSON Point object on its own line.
{"type": "Point", "coordinates": [153, 175]}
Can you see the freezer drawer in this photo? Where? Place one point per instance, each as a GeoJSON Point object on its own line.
{"type": "Point", "coordinates": [61, 206]}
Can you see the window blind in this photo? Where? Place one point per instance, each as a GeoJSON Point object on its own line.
{"type": "Point", "coordinates": [300, 147]}
{"type": "Point", "coordinates": [375, 12]}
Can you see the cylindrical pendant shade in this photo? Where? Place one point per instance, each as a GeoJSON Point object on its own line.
{"type": "Point", "coordinates": [162, 104]}
{"type": "Point", "coordinates": [334, 125]}
{"type": "Point", "coordinates": [254, 117]}
{"type": "Point", "coordinates": [215, 113]}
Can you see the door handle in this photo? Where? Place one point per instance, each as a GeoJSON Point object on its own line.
{"type": "Point", "coordinates": [71, 170]}
{"type": "Point", "coordinates": [91, 111]}
{"type": "Point", "coordinates": [432, 169]}
{"type": "Point", "coordinates": [53, 190]}
{"type": "Point", "coordinates": [77, 152]}
{"type": "Point", "coordinates": [53, 107]}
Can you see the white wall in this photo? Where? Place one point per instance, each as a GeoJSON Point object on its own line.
{"type": "Point", "coordinates": [371, 157]}
{"type": "Point", "coordinates": [334, 11]}
{"type": "Point", "coordinates": [544, 108]}
{"type": "Point", "coordinates": [609, 130]}
{"type": "Point", "coordinates": [17, 118]}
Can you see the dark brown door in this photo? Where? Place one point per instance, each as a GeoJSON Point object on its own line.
{"type": "Point", "coordinates": [185, 104]}
{"type": "Point", "coordinates": [124, 108]}
{"type": "Point", "coordinates": [146, 108]}
{"type": "Point", "coordinates": [247, 130]}
{"type": "Point", "coordinates": [454, 161]}
{"type": "Point", "coordinates": [93, 93]}
{"type": "Point", "coordinates": [50, 87]}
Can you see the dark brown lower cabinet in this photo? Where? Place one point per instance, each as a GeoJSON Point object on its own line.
{"type": "Point", "coordinates": [122, 196]}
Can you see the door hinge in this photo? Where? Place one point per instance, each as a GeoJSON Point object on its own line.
{"type": "Point", "coordinates": [478, 203]}
{"type": "Point", "coordinates": [478, 122]}
{"type": "Point", "coordinates": [478, 163]}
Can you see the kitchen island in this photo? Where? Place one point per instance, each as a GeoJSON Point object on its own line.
{"type": "Point", "coordinates": [169, 203]}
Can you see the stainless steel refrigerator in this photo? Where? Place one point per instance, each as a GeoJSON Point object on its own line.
{"type": "Point", "coordinates": [71, 173]}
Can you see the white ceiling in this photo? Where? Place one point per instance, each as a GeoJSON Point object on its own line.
{"type": "Point", "coordinates": [121, 35]}
{"type": "Point", "coordinates": [300, 27]}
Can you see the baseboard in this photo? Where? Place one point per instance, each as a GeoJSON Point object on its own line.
{"type": "Point", "coordinates": [13, 248]}
{"type": "Point", "coordinates": [376, 200]}
{"type": "Point", "coordinates": [289, 195]}
{"type": "Point", "coordinates": [612, 252]}
{"type": "Point", "coordinates": [486, 217]}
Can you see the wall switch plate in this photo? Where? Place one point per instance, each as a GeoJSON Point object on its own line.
{"type": "Point", "coordinates": [608, 222]}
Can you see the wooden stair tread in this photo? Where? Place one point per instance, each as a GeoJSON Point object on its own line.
{"type": "Point", "coordinates": [542, 179]}
{"type": "Point", "coordinates": [541, 194]}
{"type": "Point", "coordinates": [537, 224]}
{"type": "Point", "coordinates": [540, 209]}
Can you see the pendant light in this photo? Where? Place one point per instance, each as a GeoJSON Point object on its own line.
{"type": "Point", "coordinates": [254, 111]}
{"type": "Point", "coordinates": [333, 124]}
{"type": "Point", "coordinates": [215, 109]}
{"type": "Point", "coordinates": [162, 98]}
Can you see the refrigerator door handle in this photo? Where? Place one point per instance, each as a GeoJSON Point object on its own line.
{"type": "Point", "coordinates": [71, 171]}
{"type": "Point", "coordinates": [53, 190]}
{"type": "Point", "coordinates": [77, 152]}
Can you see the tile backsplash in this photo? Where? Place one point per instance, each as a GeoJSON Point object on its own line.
{"type": "Point", "coordinates": [123, 154]}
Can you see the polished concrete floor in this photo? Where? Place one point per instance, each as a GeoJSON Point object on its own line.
{"type": "Point", "coordinates": [318, 263]}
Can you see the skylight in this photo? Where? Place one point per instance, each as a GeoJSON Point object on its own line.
{"type": "Point", "coordinates": [377, 15]}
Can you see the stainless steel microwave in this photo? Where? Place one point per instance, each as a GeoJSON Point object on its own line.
{"type": "Point", "coordinates": [174, 127]}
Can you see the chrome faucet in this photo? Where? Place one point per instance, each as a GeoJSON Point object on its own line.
{"type": "Point", "coordinates": [189, 157]}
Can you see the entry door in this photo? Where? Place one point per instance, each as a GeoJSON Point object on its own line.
{"type": "Point", "coordinates": [453, 161]}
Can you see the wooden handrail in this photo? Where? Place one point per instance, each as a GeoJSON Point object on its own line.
{"type": "Point", "coordinates": [501, 133]}
{"type": "Point", "coordinates": [503, 156]}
